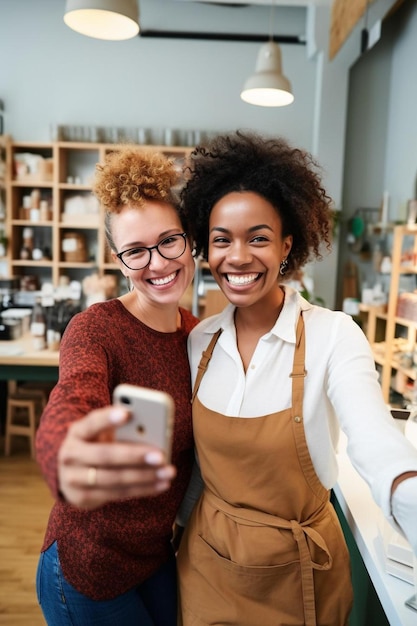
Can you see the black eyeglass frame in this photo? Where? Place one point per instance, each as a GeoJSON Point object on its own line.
{"type": "Point", "coordinates": [150, 248]}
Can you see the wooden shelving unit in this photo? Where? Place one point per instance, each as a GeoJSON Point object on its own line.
{"type": "Point", "coordinates": [400, 334]}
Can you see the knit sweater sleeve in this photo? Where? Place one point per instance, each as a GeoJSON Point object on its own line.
{"type": "Point", "coordinates": [83, 385]}
{"type": "Point", "coordinates": [102, 347]}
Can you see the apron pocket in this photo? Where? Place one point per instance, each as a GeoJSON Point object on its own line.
{"type": "Point", "coordinates": [217, 590]}
{"type": "Point", "coordinates": [248, 580]}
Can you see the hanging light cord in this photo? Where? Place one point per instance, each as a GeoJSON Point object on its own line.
{"type": "Point", "coordinates": [271, 21]}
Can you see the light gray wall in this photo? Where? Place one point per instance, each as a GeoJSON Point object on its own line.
{"type": "Point", "coordinates": [400, 174]}
{"type": "Point", "coordinates": [51, 74]}
{"type": "Point", "coordinates": [381, 132]}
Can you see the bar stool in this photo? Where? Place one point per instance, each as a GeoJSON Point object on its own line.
{"type": "Point", "coordinates": [24, 408]}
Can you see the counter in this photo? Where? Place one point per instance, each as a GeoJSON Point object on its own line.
{"type": "Point", "coordinates": [19, 361]}
{"type": "Point", "coordinates": [363, 517]}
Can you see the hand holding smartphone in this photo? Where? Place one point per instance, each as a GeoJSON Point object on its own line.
{"type": "Point", "coordinates": [152, 416]}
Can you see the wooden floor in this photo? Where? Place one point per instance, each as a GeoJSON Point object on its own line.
{"type": "Point", "coordinates": [25, 503]}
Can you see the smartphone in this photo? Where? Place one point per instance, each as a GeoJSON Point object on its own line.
{"type": "Point", "coordinates": [152, 416]}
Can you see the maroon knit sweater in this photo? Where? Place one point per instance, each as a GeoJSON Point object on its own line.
{"type": "Point", "coordinates": [105, 552]}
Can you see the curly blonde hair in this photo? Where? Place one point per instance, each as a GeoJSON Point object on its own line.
{"type": "Point", "coordinates": [131, 176]}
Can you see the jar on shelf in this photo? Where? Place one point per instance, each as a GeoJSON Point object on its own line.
{"type": "Point", "coordinates": [38, 326]}
{"type": "Point", "coordinates": [27, 244]}
{"type": "Point", "coordinates": [35, 198]}
{"type": "Point", "coordinates": [3, 242]}
{"type": "Point", "coordinates": [26, 207]}
{"type": "Point", "coordinates": [44, 211]}
{"type": "Point", "coordinates": [74, 248]}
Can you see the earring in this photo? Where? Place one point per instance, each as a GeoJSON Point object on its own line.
{"type": "Point", "coordinates": [283, 267]}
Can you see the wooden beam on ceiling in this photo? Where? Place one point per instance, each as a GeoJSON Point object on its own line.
{"type": "Point", "coordinates": [344, 17]}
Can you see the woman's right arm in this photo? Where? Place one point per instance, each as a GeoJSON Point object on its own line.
{"type": "Point", "coordinates": [93, 470]}
{"type": "Point", "coordinates": [79, 461]}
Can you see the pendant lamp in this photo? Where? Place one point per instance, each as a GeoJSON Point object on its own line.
{"type": "Point", "coordinates": [268, 87]}
{"type": "Point", "coordinates": [103, 19]}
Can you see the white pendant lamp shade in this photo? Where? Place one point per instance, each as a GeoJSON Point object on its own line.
{"type": "Point", "coordinates": [268, 87]}
{"type": "Point", "coordinates": [103, 19]}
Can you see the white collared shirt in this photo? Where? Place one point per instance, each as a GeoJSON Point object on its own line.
{"type": "Point", "coordinates": [341, 389]}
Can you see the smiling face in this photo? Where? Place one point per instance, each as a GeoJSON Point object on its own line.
{"type": "Point", "coordinates": [246, 248]}
{"type": "Point", "coordinates": [162, 281]}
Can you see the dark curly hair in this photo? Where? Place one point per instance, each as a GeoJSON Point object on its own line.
{"type": "Point", "coordinates": [286, 177]}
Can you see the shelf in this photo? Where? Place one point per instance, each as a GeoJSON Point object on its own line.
{"type": "Point", "coordinates": [30, 223]}
{"type": "Point", "coordinates": [79, 225]}
{"type": "Point", "coordinates": [74, 187]}
{"type": "Point", "coordinates": [79, 264]}
{"type": "Point", "coordinates": [406, 322]}
{"type": "Point", "coordinates": [32, 184]}
{"type": "Point", "coordinates": [66, 159]}
{"type": "Point", "coordinates": [31, 263]}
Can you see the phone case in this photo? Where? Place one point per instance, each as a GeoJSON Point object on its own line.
{"type": "Point", "coordinates": [152, 416]}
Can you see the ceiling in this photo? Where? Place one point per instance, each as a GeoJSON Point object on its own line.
{"type": "Point", "coordinates": [284, 3]}
{"type": "Point", "coordinates": [233, 20]}
{"type": "Point", "coordinates": [284, 21]}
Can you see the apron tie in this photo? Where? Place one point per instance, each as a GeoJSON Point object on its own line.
{"type": "Point", "coordinates": [307, 565]}
{"type": "Point", "coordinates": [300, 531]}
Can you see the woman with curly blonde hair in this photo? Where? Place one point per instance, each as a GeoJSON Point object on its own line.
{"type": "Point", "coordinates": [275, 379]}
{"type": "Point", "coordinates": [107, 557]}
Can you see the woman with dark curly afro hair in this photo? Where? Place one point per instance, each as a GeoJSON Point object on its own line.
{"type": "Point", "coordinates": [275, 378]}
{"type": "Point", "coordinates": [107, 556]}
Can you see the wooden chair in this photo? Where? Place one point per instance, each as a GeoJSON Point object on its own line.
{"type": "Point", "coordinates": [24, 408]}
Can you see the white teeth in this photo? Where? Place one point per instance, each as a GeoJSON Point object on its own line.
{"type": "Point", "coordinates": [163, 281]}
{"type": "Point", "coordinates": [241, 280]}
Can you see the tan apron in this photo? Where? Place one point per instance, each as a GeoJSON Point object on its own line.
{"type": "Point", "coordinates": [263, 546]}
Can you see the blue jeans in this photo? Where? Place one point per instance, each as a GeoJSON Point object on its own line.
{"type": "Point", "coordinates": [153, 603]}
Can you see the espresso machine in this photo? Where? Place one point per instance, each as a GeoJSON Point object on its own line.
{"type": "Point", "coordinates": [9, 329]}
{"type": "Point", "coordinates": [8, 290]}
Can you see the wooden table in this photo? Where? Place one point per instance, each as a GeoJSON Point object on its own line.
{"type": "Point", "coordinates": [19, 361]}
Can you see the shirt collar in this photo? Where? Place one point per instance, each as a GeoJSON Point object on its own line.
{"type": "Point", "coordinates": [285, 326]}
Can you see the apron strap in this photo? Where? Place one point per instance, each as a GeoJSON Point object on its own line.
{"type": "Point", "coordinates": [298, 372]}
{"type": "Point", "coordinates": [204, 361]}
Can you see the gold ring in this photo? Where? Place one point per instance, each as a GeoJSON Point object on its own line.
{"type": "Point", "coordinates": [92, 476]}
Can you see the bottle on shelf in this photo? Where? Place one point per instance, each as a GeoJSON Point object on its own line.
{"type": "Point", "coordinates": [24, 213]}
{"type": "Point", "coordinates": [27, 244]}
{"type": "Point", "coordinates": [37, 252]}
{"type": "Point", "coordinates": [38, 326]}
{"type": "Point", "coordinates": [3, 242]}
{"type": "Point", "coordinates": [2, 206]}
{"type": "Point", "coordinates": [53, 335]}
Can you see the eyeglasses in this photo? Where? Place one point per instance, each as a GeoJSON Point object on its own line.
{"type": "Point", "coordinates": [169, 248]}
